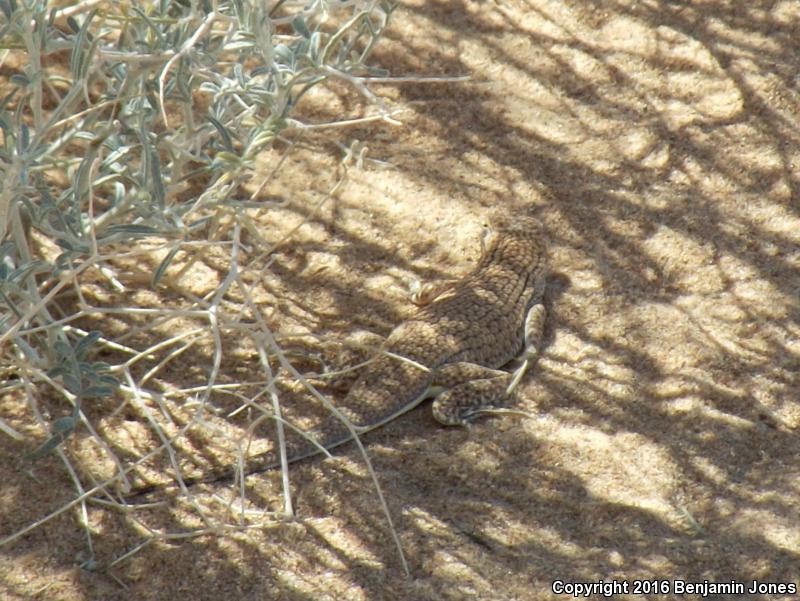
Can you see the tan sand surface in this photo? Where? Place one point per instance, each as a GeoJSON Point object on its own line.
{"type": "Point", "coordinates": [659, 143]}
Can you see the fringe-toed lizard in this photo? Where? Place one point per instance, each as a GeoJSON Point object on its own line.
{"type": "Point", "coordinates": [450, 350]}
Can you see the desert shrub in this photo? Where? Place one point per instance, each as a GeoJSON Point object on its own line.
{"type": "Point", "coordinates": [130, 128]}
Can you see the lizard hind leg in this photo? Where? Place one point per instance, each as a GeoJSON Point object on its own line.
{"type": "Point", "coordinates": [469, 391]}
{"type": "Point", "coordinates": [465, 391]}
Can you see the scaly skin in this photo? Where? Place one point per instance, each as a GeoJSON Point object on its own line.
{"type": "Point", "coordinates": [455, 344]}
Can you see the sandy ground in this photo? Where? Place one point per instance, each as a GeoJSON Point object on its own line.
{"type": "Point", "coordinates": [659, 143]}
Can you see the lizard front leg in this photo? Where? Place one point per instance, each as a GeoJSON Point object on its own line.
{"type": "Point", "coordinates": [424, 294]}
{"type": "Point", "coordinates": [534, 331]}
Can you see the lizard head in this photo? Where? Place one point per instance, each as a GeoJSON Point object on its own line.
{"type": "Point", "coordinates": [516, 229]}
{"type": "Point", "coordinates": [519, 242]}
{"type": "Point", "coordinates": [504, 221]}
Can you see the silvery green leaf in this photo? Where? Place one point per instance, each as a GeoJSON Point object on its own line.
{"type": "Point", "coordinates": [18, 79]}
{"type": "Point", "coordinates": [223, 132]}
{"type": "Point", "coordinates": [162, 268]}
{"type": "Point", "coordinates": [285, 53]}
{"type": "Point", "coordinates": [133, 229]}
{"type": "Point", "coordinates": [97, 391]}
{"type": "Point", "coordinates": [64, 425]}
{"type": "Point", "coordinates": [83, 345]}
{"type": "Point", "coordinates": [299, 25]}
{"type": "Point", "coordinates": [61, 429]}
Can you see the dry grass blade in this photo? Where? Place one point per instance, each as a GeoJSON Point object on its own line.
{"type": "Point", "coordinates": [131, 134]}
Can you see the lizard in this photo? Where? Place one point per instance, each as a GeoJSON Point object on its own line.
{"type": "Point", "coordinates": [451, 350]}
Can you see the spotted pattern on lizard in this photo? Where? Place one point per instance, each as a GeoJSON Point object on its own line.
{"type": "Point", "coordinates": [451, 349]}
